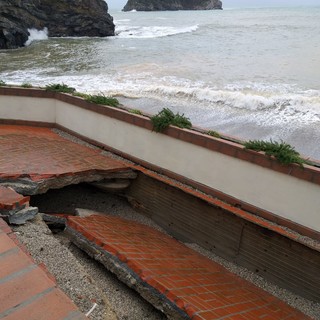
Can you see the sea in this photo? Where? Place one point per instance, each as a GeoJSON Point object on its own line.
{"type": "Point", "coordinates": [249, 73]}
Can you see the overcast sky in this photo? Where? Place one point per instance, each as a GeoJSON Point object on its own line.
{"type": "Point", "coordinates": [119, 4]}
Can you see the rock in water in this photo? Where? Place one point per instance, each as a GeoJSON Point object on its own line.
{"type": "Point", "coordinates": [73, 18]}
{"type": "Point", "coordinates": [162, 5]}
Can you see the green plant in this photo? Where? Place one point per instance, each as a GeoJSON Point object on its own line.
{"type": "Point", "coordinates": [213, 134]}
{"type": "Point", "coordinates": [282, 151]}
{"type": "Point", "coordinates": [26, 85]}
{"type": "Point", "coordinates": [101, 99]}
{"type": "Point", "coordinates": [135, 111]}
{"type": "Point", "coordinates": [81, 95]}
{"type": "Point", "coordinates": [2, 83]}
{"type": "Point", "coordinates": [57, 87]}
{"type": "Point", "coordinates": [166, 118]}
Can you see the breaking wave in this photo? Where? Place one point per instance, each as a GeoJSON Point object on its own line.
{"type": "Point", "coordinates": [145, 32]}
{"type": "Point", "coordinates": [36, 35]}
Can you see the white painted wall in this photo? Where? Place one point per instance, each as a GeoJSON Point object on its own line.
{"type": "Point", "coordinates": [29, 109]}
{"type": "Point", "coordinates": [289, 197]}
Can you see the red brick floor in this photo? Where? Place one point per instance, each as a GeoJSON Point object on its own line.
{"type": "Point", "coordinates": [27, 292]}
{"type": "Point", "coordinates": [199, 287]}
{"type": "Point", "coordinates": [39, 153]}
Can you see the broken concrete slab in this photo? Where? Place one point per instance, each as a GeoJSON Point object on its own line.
{"type": "Point", "coordinates": [11, 200]}
{"type": "Point", "coordinates": [14, 207]}
{"type": "Point", "coordinates": [34, 185]}
{"type": "Point", "coordinates": [34, 160]}
{"type": "Point", "coordinates": [22, 216]}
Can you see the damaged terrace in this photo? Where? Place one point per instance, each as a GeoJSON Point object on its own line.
{"type": "Point", "coordinates": [42, 166]}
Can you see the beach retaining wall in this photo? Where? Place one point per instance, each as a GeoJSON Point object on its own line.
{"type": "Point", "coordinates": [286, 194]}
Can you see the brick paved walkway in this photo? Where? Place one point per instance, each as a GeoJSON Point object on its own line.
{"type": "Point", "coordinates": [26, 290]}
{"type": "Point", "coordinates": [169, 274]}
{"type": "Point", "coordinates": [39, 153]}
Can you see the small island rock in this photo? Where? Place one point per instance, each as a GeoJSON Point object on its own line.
{"type": "Point", "coordinates": [163, 5]}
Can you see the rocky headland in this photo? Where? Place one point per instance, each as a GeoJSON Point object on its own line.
{"type": "Point", "coordinates": [163, 5]}
{"type": "Point", "coordinates": [74, 18]}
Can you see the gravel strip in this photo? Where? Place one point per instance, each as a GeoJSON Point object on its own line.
{"type": "Point", "coordinates": [74, 139]}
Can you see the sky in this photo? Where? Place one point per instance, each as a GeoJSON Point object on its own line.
{"type": "Point", "coordinates": [119, 4]}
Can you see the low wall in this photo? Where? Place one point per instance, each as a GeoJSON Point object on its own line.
{"type": "Point", "coordinates": [250, 180]}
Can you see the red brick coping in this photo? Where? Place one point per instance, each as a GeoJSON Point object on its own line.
{"type": "Point", "coordinates": [170, 275]}
{"type": "Point", "coordinates": [28, 291]}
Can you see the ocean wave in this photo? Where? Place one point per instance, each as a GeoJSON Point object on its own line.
{"type": "Point", "coordinates": [143, 32]}
{"type": "Point", "coordinates": [279, 102]}
{"type": "Point", "coordinates": [36, 35]}
{"type": "Point", "coordinates": [121, 20]}
{"type": "Point", "coordinates": [302, 107]}
{"type": "Point", "coordinates": [250, 101]}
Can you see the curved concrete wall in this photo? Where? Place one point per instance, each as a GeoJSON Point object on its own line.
{"type": "Point", "coordinates": [282, 194]}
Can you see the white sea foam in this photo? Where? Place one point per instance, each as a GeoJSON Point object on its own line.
{"type": "Point", "coordinates": [121, 21]}
{"type": "Point", "coordinates": [303, 107]}
{"type": "Point", "coordinates": [36, 35]}
{"type": "Point", "coordinates": [143, 32]}
{"type": "Point", "coordinates": [282, 100]}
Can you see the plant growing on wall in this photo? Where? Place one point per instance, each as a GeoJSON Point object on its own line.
{"type": "Point", "coordinates": [26, 85]}
{"type": "Point", "coordinates": [282, 151]}
{"type": "Point", "coordinates": [101, 99]}
{"type": "Point", "coordinates": [57, 87]}
{"type": "Point", "coordinates": [166, 117]}
{"type": "Point", "coordinates": [81, 95]}
{"type": "Point", "coordinates": [136, 111]}
{"type": "Point", "coordinates": [213, 134]}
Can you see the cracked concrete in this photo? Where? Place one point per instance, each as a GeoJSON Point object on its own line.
{"type": "Point", "coordinates": [34, 160]}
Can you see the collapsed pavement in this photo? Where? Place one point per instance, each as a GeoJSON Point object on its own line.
{"type": "Point", "coordinates": [37, 159]}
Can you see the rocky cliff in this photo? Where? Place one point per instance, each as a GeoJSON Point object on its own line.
{"type": "Point", "coordinates": [161, 5]}
{"type": "Point", "coordinates": [61, 17]}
